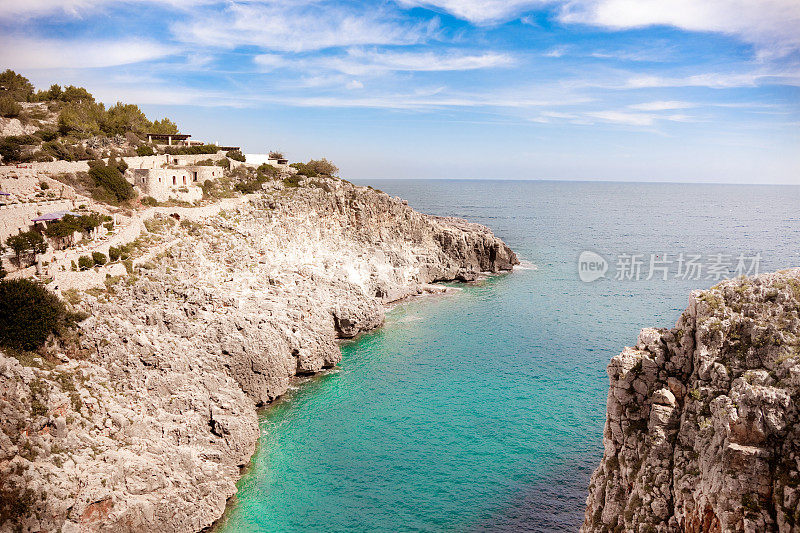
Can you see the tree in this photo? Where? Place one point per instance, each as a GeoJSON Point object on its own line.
{"type": "Point", "coordinates": [83, 118]}
{"type": "Point", "coordinates": [144, 150]}
{"type": "Point", "coordinates": [16, 85]}
{"type": "Point", "coordinates": [8, 107]}
{"type": "Point", "coordinates": [76, 94]}
{"type": "Point", "coordinates": [122, 118]}
{"type": "Point", "coordinates": [26, 243]}
{"type": "Point", "coordinates": [165, 126]}
{"type": "Point", "coordinates": [29, 314]}
{"type": "Point", "coordinates": [276, 155]}
{"type": "Point", "coordinates": [99, 258]}
{"type": "Point", "coordinates": [323, 167]}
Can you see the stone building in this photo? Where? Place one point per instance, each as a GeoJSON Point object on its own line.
{"type": "Point", "coordinates": [178, 183]}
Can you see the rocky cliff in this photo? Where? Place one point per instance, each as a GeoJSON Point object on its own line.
{"type": "Point", "coordinates": [702, 430]}
{"type": "Point", "coordinates": [143, 421]}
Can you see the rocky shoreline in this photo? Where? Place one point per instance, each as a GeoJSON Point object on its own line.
{"type": "Point", "coordinates": [145, 420]}
{"type": "Point", "coordinates": [702, 431]}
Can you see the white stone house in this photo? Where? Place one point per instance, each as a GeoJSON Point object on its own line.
{"type": "Point", "coordinates": [181, 183]}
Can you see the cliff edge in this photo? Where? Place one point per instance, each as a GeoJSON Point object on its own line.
{"type": "Point", "coordinates": [143, 422]}
{"type": "Point", "coordinates": [702, 430]}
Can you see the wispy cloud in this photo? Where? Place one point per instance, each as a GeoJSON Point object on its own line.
{"type": "Point", "coordinates": [300, 26]}
{"type": "Point", "coordinates": [26, 53]}
{"type": "Point", "coordinates": [661, 105]}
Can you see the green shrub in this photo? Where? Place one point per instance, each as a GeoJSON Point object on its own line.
{"type": "Point", "coordinates": [99, 258]}
{"type": "Point", "coordinates": [149, 200]}
{"type": "Point", "coordinates": [114, 253]}
{"type": "Point", "coordinates": [292, 181]}
{"type": "Point", "coordinates": [236, 155]}
{"type": "Point", "coordinates": [8, 107]}
{"type": "Point", "coordinates": [224, 163]}
{"type": "Point", "coordinates": [109, 178]}
{"type": "Point", "coordinates": [144, 150]}
{"type": "Point", "coordinates": [276, 154]}
{"type": "Point", "coordinates": [268, 171]}
{"type": "Point", "coordinates": [192, 150]}
{"type": "Point", "coordinates": [85, 262]}
{"type": "Point", "coordinates": [29, 314]}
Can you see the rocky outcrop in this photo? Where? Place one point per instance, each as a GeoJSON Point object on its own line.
{"type": "Point", "coordinates": [142, 422]}
{"type": "Point", "coordinates": [702, 430]}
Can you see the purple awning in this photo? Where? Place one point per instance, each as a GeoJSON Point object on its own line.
{"type": "Point", "coordinates": [58, 215]}
{"type": "Point", "coordinates": [5, 193]}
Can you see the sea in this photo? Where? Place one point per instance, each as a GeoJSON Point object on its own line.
{"type": "Point", "coordinates": [483, 409]}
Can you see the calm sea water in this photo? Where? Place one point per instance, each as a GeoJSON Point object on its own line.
{"type": "Point", "coordinates": [484, 410]}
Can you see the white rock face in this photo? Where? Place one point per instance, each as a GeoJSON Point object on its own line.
{"type": "Point", "coordinates": [702, 430]}
{"type": "Point", "coordinates": [148, 417]}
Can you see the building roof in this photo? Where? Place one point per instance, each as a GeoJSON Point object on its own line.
{"type": "Point", "coordinates": [56, 215]}
{"type": "Point", "coordinates": [176, 136]}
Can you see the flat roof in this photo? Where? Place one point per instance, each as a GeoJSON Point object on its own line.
{"type": "Point", "coordinates": [178, 136]}
{"type": "Point", "coordinates": [57, 215]}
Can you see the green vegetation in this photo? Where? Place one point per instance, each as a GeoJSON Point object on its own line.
{"type": "Point", "coordinates": [109, 179]}
{"type": "Point", "coordinates": [316, 167]}
{"type": "Point", "coordinates": [85, 262]}
{"type": "Point", "coordinates": [69, 224]}
{"type": "Point", "coordinates": [17, 86]}
{"type": "Point", "coordinates": [29, 314]}
{"type": "Point", "coordinates": [8, 107]}
{"type": "Point", "coordinates": [192, 150]}
{"type": "Point", "coordinates": [236, 155]}
{"type": "Point", "coordinates": [144, 150]}
{"type": "Point", "coordinates": [79, 116]}
{"type": "Point", "coordinates": [99, 258]}
{"type": "Point", "coordinates": [26, 244]}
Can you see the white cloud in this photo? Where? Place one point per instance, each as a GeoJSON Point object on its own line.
{"type": "Point", "coordinates": [298, 27]}
{"type": "Point", "coordinates": [354, 84]}
{"type": "Point", "coordinates": [661, 106]}
{"type": "Point", "coordinates": [25, 53]}
{"type": "Point", "coordinates": [715, 80]}
{"type": "Point", "coordinates": [620, 117]}
{"type": "Point", "coordinates": [477, 11]}
{"type": "Point", "coordinates": [359, 61]}
{"type": "Point", "coordinates": [771, 25]}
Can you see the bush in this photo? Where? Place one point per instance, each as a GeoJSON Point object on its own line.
{"type": "Point", "coordinates": [149, 200]}
{"type": "Point", "coordinates": [99, 258]}
{"type": "Point", "coordinates": [85, 262]}
{"type": "Point", "coordinates": [197, 149]}
{"type": "Point", "coordinates": [316, 167]}
{"type": "Point", "coordinates": [268, 171]}
{"type": "Point", "coordinates": [276, 155]}
{"type": "Point", "coordinates": [29, 314]}
{"type": "Point", "coordinates": [144, 150]}
{"type": "Point", "coordinates": [114, 253]}
{"type": "Point", "coordinates": [224, 163]}
{"type": "Point", "coordinates": [236, 155]}
{"type": "Point", "coordinates": [109, 178]}
{"type": "Point", "coordinates": [8, 107]}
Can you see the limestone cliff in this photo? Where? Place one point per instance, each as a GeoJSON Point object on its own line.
{"type": "Point", "coordinates": [144, 424]}
{"type": "Point", "coordinates": [702, 430]}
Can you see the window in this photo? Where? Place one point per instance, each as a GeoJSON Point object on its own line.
{"type": "Point", "coordinates": [174, 181]}
{"type": "Point", "coordinates": [194, 176]}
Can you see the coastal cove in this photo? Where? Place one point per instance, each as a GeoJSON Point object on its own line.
{"type": "Point", "coordinates": [483, 409]}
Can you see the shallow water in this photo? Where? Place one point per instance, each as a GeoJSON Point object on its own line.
{"type": "Point", "coordinates": [482, 410]}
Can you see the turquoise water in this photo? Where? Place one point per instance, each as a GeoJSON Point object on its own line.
{"type": "Point", "coordinates": [483, 410]}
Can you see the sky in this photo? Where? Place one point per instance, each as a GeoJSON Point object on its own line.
{"type": "Point", "coordinates": [632, 90]}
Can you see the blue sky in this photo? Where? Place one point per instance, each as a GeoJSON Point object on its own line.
{"type": "Point", "coordinates": [646, 90]}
